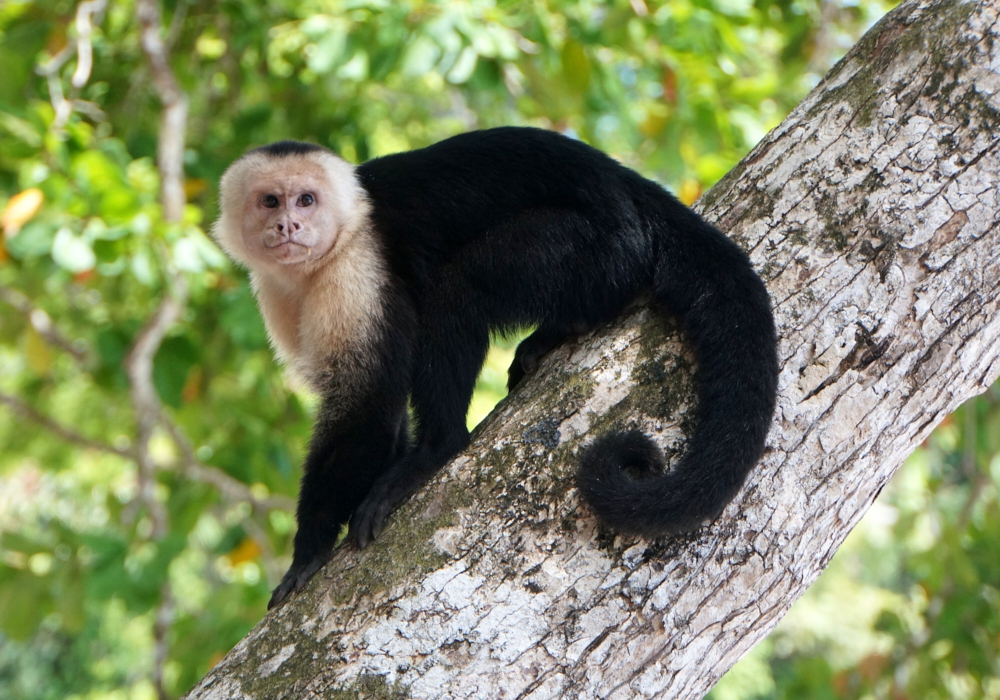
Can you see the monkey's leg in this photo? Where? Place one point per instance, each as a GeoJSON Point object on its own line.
{"type": "Point", "coordinates": [530, 351]}
{"type": "Point", "coordinates": [449, 356]}
{"type": "Point", "coordinates": [546, 337]}
{"type": "Point", "coordinates": [345, 459]}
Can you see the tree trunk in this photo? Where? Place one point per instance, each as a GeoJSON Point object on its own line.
{"type": "Point", "coordinates": [872, 213]}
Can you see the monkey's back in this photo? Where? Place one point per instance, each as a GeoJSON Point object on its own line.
{"type": "Point", "coordinates": [538, 223]}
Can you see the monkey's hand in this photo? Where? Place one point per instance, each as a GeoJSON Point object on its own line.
{"type": "Point", "coordinates": [296, 579]}
{"type": "Point", "coordinates": [391, 489]}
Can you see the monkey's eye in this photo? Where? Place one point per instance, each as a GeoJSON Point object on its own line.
{"type": "Point", "coordinates": [306, 200]}
{"type": "Point", "coordinates": [269, 201]}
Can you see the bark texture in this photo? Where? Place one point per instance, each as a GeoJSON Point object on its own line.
{"type": "Point", "coordinates": [872, 213]}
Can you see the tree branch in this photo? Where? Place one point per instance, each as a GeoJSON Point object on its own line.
{"type": "Point", "coordinates": [161, 647]}
{"type": "Point", "coordinates": [230, 488]}
{"type": "Point", "coordinates": [87, 15]}
{"type": "Point", "coordinates": [170, 159]}
{"type": "Point", "coordinates": [139, 369]}
{"type": "Point", "coordinates": [63, 107]}
{"type": "Point", "coordinates": [873, 214]}
{"type": "Point", "coordinates": [61, 431]}
{"type": "Point", "coordinates": [139, 363]}
{"type": "Point", "coordinates": [42, 323]}
{"type": "Point", "coordinates": [170, 147]}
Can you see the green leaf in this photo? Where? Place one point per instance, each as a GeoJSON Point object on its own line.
{"type": "Point", "coordinates": [24, 602]}
{"type": "Point", "coordinates": [194, 252]}
{"type": "Point", "coordinates": [464, 66]}
{"type": "Point", "coordinates": [421, 57]}
{"type": "Point", "coordinates": [16, 542]}
{"type": "Point", "coordinates": [328, 50]}
{"type": "Point", "coordinates": [72, 252]}
{"type": "Point", "coordinates": [174, 360]}
{"type": "Point", "coordinates": [70, 602]}
{"type": "Point", "coordinates": [576, 66]}
{"type": "Point", "coordinates": [33, 240]}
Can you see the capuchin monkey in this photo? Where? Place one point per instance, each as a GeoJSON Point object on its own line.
{"type": "Point", "coordinates": [380, 284]}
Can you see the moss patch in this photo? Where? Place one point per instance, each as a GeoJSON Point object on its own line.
{"type": "Point", "coordinates": [369, 687]}
{"type": "Point", "coordinates": [405, 551]}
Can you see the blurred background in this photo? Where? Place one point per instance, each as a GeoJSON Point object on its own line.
{"type": "Point", "coordinates": [136, 549]}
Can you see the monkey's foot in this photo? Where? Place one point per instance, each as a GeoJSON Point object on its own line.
{"type": "Point", "coordinates": [525, 362]}
{"type": "Point", "coordinates": [295, 580]}
{"type": "Point", "coordinates": [530, 352]}
{"type": "Point", "coordinates": [369, 518]}
{"type": "Point", "coordinates": [400, 482]}
{"type": "Point", "coordinates": [391, 489]}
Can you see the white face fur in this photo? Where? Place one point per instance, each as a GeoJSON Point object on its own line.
{"type": "Point", "coordinates": [283, 215]}
{"type": "Point", "coordinates": [300, 223]}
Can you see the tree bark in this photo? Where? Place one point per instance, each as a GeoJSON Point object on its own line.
{"type": "Point", "coordinates": [872, 214]}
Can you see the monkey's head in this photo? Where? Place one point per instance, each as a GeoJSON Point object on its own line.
{"type": "Point", "coordinates": [285, 206]}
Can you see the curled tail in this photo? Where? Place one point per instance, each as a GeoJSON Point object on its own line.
{"type": "Point", "coordinates": [707, 281]}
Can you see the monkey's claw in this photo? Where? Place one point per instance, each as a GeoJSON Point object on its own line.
{"type": "Point", "coordinates": [295, 580]}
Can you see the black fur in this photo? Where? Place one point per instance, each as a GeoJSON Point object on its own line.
{"type": "Point", "coordinates": [509, 227]}
{"type": "Point", "coordinates": [280, 149]}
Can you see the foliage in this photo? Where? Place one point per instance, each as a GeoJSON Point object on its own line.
{"type": "Point", "coordinates": [680, 89]}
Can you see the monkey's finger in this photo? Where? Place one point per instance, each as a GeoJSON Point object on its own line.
{"type": "Point", "coordinates": [370, 522]}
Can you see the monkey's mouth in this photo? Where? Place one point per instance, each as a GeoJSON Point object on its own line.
{"type": "Point", "coordinates": [284, 243]}
{"type": "Point", "coordinates": [289, 252]}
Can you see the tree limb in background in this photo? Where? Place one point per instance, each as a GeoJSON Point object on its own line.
{"type": "Point", "coordinates": [87, 15]}
{"type": "Point", "coordinates": [41, 322]}
{"type": "Point", "coordinates": [139, 363]}
{"type": "Point", "coordinates": [170, 161]}
{"type": "Point", "coordinates": [170, 146]}
{"type": "Point", "coordinates": [161, 628]}
{"type": "Point", "coordinates": [25, 411]}
{"type": "Point", "coordinates": [139, 369]}
{"type": "Point", "coordinates": [63, 107]}
{"type": "Point", "coordinates": [874, 216]}
{"type": "Point", "coordinates": [230, 488]}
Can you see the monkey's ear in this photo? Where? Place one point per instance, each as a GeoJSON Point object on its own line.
{"type": "Point", "coordinates": [225, 232]}
{"type": "Point", "coordinates": [234, 187]}
{"type": "Point", "coordinates": [228, 228]}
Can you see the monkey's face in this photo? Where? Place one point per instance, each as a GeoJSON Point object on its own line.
{"type": "Point", "coordinates": [287, 214]}
{"type": "Point", "coordinates": [290, 217]}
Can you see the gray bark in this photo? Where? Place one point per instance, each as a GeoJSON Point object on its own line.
{"type": "Point", "coordinates": [872, 214]}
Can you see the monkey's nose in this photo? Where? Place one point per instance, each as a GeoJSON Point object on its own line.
{"type": "Point", "coordinates": [288, 226]}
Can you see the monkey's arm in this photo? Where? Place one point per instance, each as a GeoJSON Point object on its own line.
{"type": "Point", "coordinates": [451, 344]}
{"type": "Point", "coordinates": [347, 455]}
